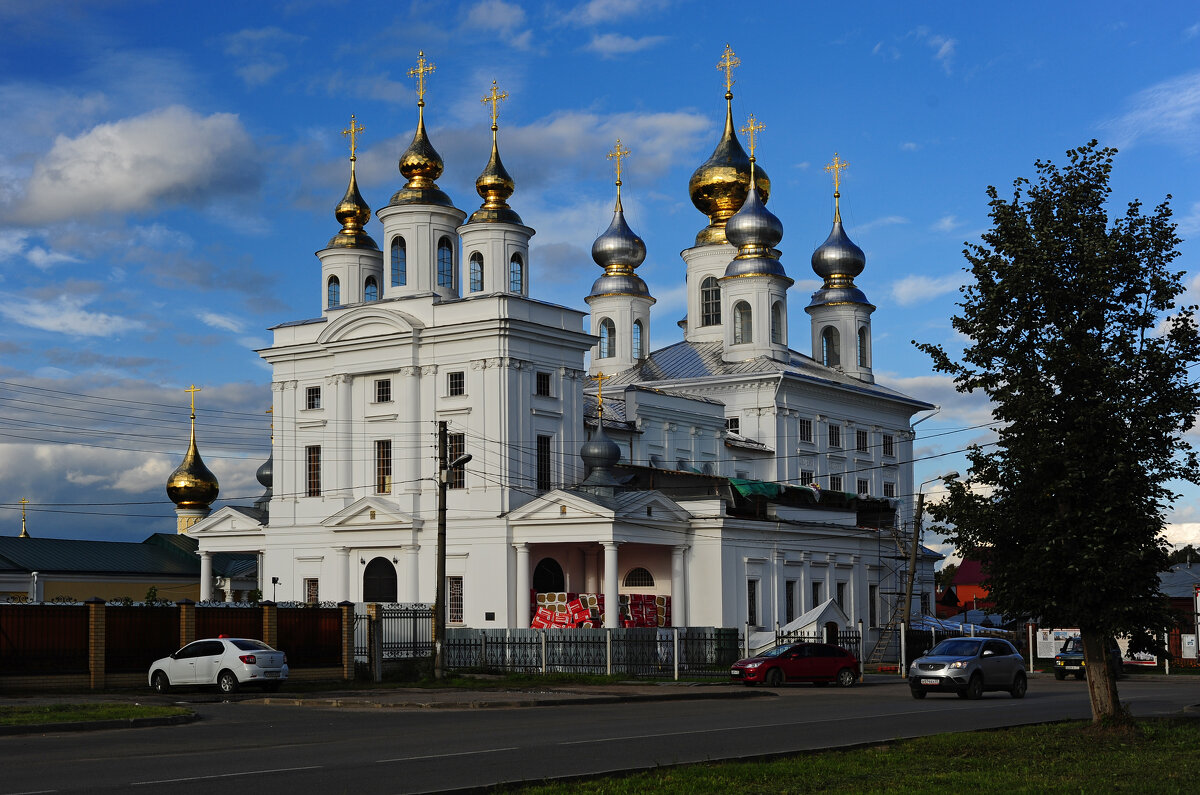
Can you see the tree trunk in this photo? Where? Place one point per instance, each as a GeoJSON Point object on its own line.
{"type": "Point", "coordinates": [1101, 679]}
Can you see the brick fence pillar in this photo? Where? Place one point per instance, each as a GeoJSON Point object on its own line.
{"type": "Point", "coordinates": [96, 607]}
{"type": "Point", "coordinates": [187, 621]}
{"type": "Point", "coordinates": [270, 619]}
{"type": "Point", "coordinates": [347, 609]}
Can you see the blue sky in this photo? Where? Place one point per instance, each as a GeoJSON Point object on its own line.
{"type": "Point", "coordinates": [167, 171]}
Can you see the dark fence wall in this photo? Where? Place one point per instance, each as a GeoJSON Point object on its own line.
{"type": "Point", "coordinates": [43, 639]}
{"type": "Point", "coordinates": [137, 635]}
{"type": "Point", "coordinates": [235, 621]}
{"type": "Point", "coordinates": [311, 636]}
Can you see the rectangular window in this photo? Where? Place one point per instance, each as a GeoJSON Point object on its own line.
{"type": "Point", "coordinates": [456, 383]}
{"type": "Point", "coordinates": [312, 455]}
{"type": "Point", "coordinates": [889, 489]}
{"type": "Point", "coordinates": [816, 593]}
{"type": "Point", "coordinates": [807, 477]}
{"type": "Point", "coordinates": [889, 445]}
{"type": "Point", "coordinates": [383, 466]}
{"type": "Point", "coordinates": [861, 441]}
{"type": "Point", "coordinates": [835, 435]}
{"type": "Point", "coordinates": [543, 463]}
{"type": "Point", "coordinates": [805, 431]}
{"type": "Point", "coordinates": [835, 482]}
{"type": "Point", "coordinates": [456, 445]}
{"type": "Point", "coordinates": [789, 597]}
{"type": "Point", "coordinates": [752, 602]}
{"type": "Point", "coordinates": [733, 425]}
{"type": "Point", "coordinates": [543, 384]}
{"type": "Point", "coordinates": [841, 595]}
{"type": "Point", "coordinates": [312, 397]}
{"type": "Point", "coordinates": [454, 600]}
{"type": "Point", "coordinates": [925, 604]}
{"type": "Point", "coordinates": [872, 605]}
{"type": "Point", "coordinates": [864, 487]}
{"type": "Point", "coordinates": [312, 590]}
{"type": "Point", "coordinates": [383, 390]}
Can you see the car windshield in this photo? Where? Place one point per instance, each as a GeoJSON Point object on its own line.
{"type": "Point", "coordinates": [777, 651]}
{"type": "Point", "coordinates": [955, 647]}
{"type": "Point", "coordinates": [1072, 646]}
{"type": "Point", "coordinates": [251, 645]}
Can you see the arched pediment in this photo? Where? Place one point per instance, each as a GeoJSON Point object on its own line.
{"type": "Point", "coordinates": [369, 322]}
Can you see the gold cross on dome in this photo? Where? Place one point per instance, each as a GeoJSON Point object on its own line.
{"type": "Point", "coordinates": [751, 130]}
{"type": "Point", "coordinates": [726, 64]}
{"type": "Point", "coordinates": [836, 167]}
{"type": "Point", "coordinates": [422, 68]}
{"type": "Point", "coordinates": [192, 390]}
{"type": "Point", "coordinates": [24, 532]}
{"type": "Point", "coordinates": [495, 96]}
{"type": "Point", "coordinates": [600, 394]}
{"type": "Point", "coordinates": [353, 133]}
{"type": "Point", "coordinates": [618, 153]}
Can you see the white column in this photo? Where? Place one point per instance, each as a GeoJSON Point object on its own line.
{"type": "Point", "coordinates": [410, 453]}
{"type": "Point", "coordinates": [206, 577]}
{"type": "Point", "coordinates": [344, 433]}
{"type": "Point", "coordinates": [679, 601]}
{"type": "Point", "coordinates": [343, 559]}
{"type": "Point", "coordinates": [858, 590]}
{"type": "Point", "coordinates": [780, 597]}
{"type": "Point", "coordinates": [412, 580]}
{"type": "Point", "coordinates": [522, 594]}
{"type": "Point", "coordinates": [612, 599]}
{"type": "Point", "coordinates": [805, 595]}
{"type": "Point", "coordinates": [830, 577]}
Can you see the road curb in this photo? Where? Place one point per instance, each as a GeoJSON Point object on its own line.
{"type": "Point", "coordinates": [515, 702]}
{"type": "Point", "coordinates": [97, 725]}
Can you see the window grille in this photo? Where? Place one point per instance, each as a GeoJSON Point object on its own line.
{"type": "Point", "coordinates": [383, 390]}
{"type": "Point", "coordinates": [383, 466]}
{"type": "Point", "coordinates": [312, 455]}
{"type": "Point", "coordinates": [312, 397]}
{"type": "Point", "coordinates": [456, 383]}
{"type": "Point", "coordinates": [639, 578]}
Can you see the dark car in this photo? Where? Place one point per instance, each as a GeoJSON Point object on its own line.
{"type": "Point", "coordinates": [1069, 659]}
{"type": "Point", "coordinates": [798, 662]}
{"type": "Point", "coordinates": [968, 667]}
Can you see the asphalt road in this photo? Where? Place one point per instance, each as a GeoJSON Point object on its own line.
{"type": "Point", "coordinates": [303, 749]}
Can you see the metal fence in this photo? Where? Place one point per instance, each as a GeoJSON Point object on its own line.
{"type": "Point", "coordinates": [405, 631]}
{"type": "Point", "coordinates": [311, 636]}
{"type": "Point", "coordinates": [848, 639]}
{"type": "Point", "coordinates": [43, 639]}
{"type": "Point", "coordinates": [235, 619]}
{"type": "Point", "coordinates": [680, 653]}
{"type": "Point", "coordinates": [137, 635]}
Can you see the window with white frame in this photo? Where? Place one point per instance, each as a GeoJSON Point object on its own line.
{"type": "Point", "coordinates": [835, 482]}
{"type": "Point", "coordinates": [841, 595]}
{"type": "Point", "coordinates": [889, 445]}
{"type": "Point", "coordinates": [476, 268]}
{"type": "Point", "coordinates": [733, 425]}
{"type": "Point", "coordinates": [789, 598]}
{"type": "Point", "coordinates": [542, 384]}
{"type": "Point", "coordinates": [710, 302]}
{"type": "Point", "coordinates": [312, 590]}
{"type": "Point", "coordinates": [454, 600]}
{"type": "Point", "coordinates": [312, 456]}
{"type": "Point", "coordinates": [312, 397]}
{"type": "Point", "coordinates": [862, 441]}
{"type": "Point", "coordinates": [543, 463]}
{"type": "Point", "coordinates": [835, 435]}
{"type": "Point", "coordinates": [383, 390]}
{"type": "Point", "coordinates": [456, 383]}
{"type": "Point", "coordinates": [383, 466]}
{"type": "Point", "coordinates": [816, 593]}
{"type": "Point", "coordinates": [445, 263]}
{"type": "Point", "coordinates": [804, 430]}
{"type": "Point", "coordinates": [752, 602]}
{"type": "Point", "coordinates": [639, 577]}
{"type": "Point", "coordinates": [872, 605]}
{"type": "Point", "coordinates": [864, 486]}
{"type": "Point", "coordinates": [456, 447]}
{"type": "Point", "coordinates": [807, 477]}
{"type": "Point", "coordinates": [889, 488]}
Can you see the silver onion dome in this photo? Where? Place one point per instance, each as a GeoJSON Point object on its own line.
{"type": "Point", "coordinates": [619, 250]}
{"type": "Point", "coordinates": [838, 260]}
{"type": "Point", "coordinates": [599, 455]}
{"type": "Point", "coordinates": [756, 231]}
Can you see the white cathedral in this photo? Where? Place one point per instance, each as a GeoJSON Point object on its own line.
{"type": "Point", "coordinates": [747, 481]}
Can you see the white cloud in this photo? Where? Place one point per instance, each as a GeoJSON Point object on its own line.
{"type": "Point", "coordinates": [257, 50]}
{"type": "Point", "coordinates": [66, 314]}
{"type": "Point", "coordinates": [167, 156]}
{"type": "Point", "coordinates": [887, 220]}
{"type": "Point", "coordinates": [223, 322]}
{"type": "Point", "coordinates": [42, 259]}
{"type": "Point", "coordinates": [947, 223]}
{"type": "Point", "coordinates": [1182, 533]}
{"type": "Point", "coordinates": [1189, 225]}
{"type": "Point", "coordinates": [495, 15]}
{"type": "Point", "coordinates": [611, 45]}
{"type": "Point", "coordinates": [1167, 112]}
{"type": "Point", "coordinates": [909, 146]}
{"type": "Point", "coordinates": [913, 290]}
{"type": "Point", "coordinates": [601, 11]}
{"type": "Point", "coordinates": [1192, 32]}
{"type": "Point", "coordinates": [942, 46]}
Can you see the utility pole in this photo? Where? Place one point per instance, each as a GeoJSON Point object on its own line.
{"type": "Point", "coordinates": [439, 601]}
{"type": "Point", "coordinates": [916, 542]}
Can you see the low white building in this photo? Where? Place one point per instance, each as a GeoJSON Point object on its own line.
{"type": "Point", "coordinates": [699, 474]}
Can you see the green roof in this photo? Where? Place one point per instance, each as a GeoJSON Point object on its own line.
{"type": "Point", "coordinates": [161, 555]}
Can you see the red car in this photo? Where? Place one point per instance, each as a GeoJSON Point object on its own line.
{"type": "Point", "coordinates": [798, 662]}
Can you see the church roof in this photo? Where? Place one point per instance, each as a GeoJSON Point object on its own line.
{"type": "Point", "coordinates": [699, 360]}
{"type": "Point", "coordinates": [163, 554]}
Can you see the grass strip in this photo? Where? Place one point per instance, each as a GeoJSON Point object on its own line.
{"type": "Point", "coordinates": [1156, 755]}
{"type": "Point", "coordinates": [75, 713]}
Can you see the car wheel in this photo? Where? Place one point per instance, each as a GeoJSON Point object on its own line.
{"type": "Point", "coordinates": [227, 682]}
{"type": "Point", "coordinates": [974, 688]}
{"type": "Point", "coordinates": [1059, 675]}
{"type": "Point", "coordinates": [1019, 686]}
{"type": "Point", "coordinates": [917, 694]}
{"type": "Point", "coordinates": [774, 677]}
{"type": "Point", "coordinates": [161, 683]}
{"type": "Point", "coordinates": [846, 678]}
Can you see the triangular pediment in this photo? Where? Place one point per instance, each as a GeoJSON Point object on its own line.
{"type": "Point", "coordinates": [558, 505]}
{"type": "Point", "coordinates": [229, 519]}
{"type": "Point", "coordinates": [369, 513]}
{"type": "Point", "coordinates": [369, 322]}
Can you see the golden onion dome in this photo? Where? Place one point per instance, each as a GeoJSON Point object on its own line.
{"type": "Point", "coordinates": [352, 213]}
{"type": "Point", "coordinates": [720, 185]}
{"type": "Point", "coordinates": [495, 185]}
{"type": "Point", "coordinates": [192, 485]}
{"type": "Point", "coordinates": [420, 164]}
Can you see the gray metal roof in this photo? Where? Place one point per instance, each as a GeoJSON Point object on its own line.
{"type": "Point", "coordinates": [164, 554]}
{"type": "Point", "coordinates": [1180, 580]}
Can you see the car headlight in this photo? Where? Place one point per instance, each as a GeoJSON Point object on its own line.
{"type": "Point", "coordinates": [753, 664]}
{"type": "Point", "coordinates": [959, 664]}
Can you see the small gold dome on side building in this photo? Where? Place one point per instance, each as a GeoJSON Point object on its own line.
{"type": "Point", "coordinates": [192, 486]}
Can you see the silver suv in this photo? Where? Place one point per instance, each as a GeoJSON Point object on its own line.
{"type": "Point", "coordinates": [968, 666]}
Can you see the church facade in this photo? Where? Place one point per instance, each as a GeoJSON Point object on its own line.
{"type": "Point", "coordinates": [746, 480]}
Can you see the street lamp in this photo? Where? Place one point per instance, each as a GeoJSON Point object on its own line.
{"type": "Point", "coordinates": [274, 589]}
{"type": "Point", "coordinates": [439, 602]}
{"type": "Point", "coordinates": [916, 542]}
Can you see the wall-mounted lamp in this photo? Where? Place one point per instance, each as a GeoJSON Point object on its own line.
{"type": "Point", "coordinates": [395, 559]}
{"type": "Point", "coordinates": [362, 561]}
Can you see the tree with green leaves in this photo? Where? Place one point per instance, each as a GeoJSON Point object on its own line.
{"type": "Point", "coordinates": [1075, 333]}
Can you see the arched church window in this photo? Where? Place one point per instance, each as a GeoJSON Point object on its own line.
{"type": "Point", "coordinates": [548, 577]}
{"type": "Point", "coordinates": [864, 346]}
{"type": "Point", "coordinates": [516, 274]}
{"type": "Point", "coordinates": [334, 293]}
{"type": "Point", "coordinates": [639, 578]}
{"type": "Point", "coordinates": [777, 323]}
{"type": "Point", "coordinates": [637, 340]}
{"type": "Point", "coordinates": [445, 263]}
{"type": "Point", "coordinates": [379, 581]}
{"type": "Point", "coordinates": [476, 272]}
{"type": "Point", "coordinates": [608, 339]}
{"type": "Point", "coordinates": [371, 289]}
{"type": "Point", "coordinates": [399, 262]}
{"type": "Point", "coordinates": [710, 302]}
{"type": "Point", "coordinates": [830, 347]}
{"type": "Point", "coordinates": [743, 325]}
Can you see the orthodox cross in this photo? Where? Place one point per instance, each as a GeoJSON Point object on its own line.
{"type": "Point", "coordinates": [495, 96]}
{"type": "Point", "coordinates": [192, 390]}
{"type": "Point", "coordinates": [726, 64]}
{"type": "Point", "coordinates": [422, 68]}
{"type": "Point", "coordinates": [836, 167]}
{"type": "Point", "coordinates": [618, 153]}
{"type": "Point", "coordinates": [600, 395]}
{"type": "Point", "coordinates": [751, 130]}
{"type": "Point", "coordinates": [24, 532]}
{"type": "Point", "coordinates": [353, 133]}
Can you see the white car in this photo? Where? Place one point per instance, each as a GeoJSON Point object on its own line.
{"type": "Point", "coordinates": [227, 663]}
